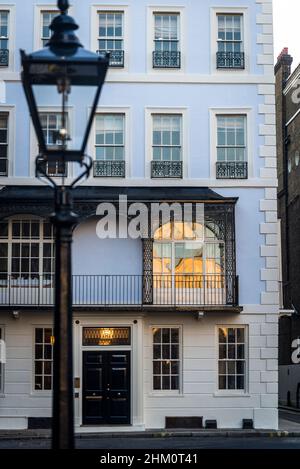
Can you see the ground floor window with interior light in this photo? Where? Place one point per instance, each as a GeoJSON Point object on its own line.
{"type": "Point", "coordinates": [232, 358]}
{"type": "Point", "coordinates": [166, 358]}
{"type": "Point", "coordinates": [43, 358]}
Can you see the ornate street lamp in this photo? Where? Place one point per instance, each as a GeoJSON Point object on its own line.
{"type": "Point", "coordinates": [57, 71]}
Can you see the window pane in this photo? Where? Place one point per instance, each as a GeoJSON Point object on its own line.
{"type": "Point", "coordinates": [175, 352]}
{"type": "Point", "coordinates": [38, 336]}
{"type": "Point", "coordinates": [231, 382]}
{"type": "Point", "coordinates": [48, 352]}
{"type": "Point", "coordinates": [166, 351]}
{"type": "Point", "coordinates": [222, 382]}
{"type": "Point", "coordinates": [157, 352]}
{"type": "Point", "coordinates": [240, 335]}
{"type": "Point", "coordinates": [3, 136]}
{"type": "Point", "coordinates": [156, 382]}
{"type": "Point", "coordinates": [240, 367]}
{"type": "Point", "coordinates": [240, 351]}
{"type": "Point", "coordinates": [157, 335]}
{"type": "Point", "coordinates": [3, 230]}
{"type": "Point", "coordinates": [39, 351]}
{"type": "Point", "coordinates": [156, 154]}
{"type": "Point", "coordinates": [38, 367]}
{"type": "Point", "coordinates": [156, 138]}
{"type": "Point", "coordinates": [48, 367]}
{"type": "Point", "coordinates": [175, 336]}
{"type": "Point", "coordinates": [166, 154]}
{"type": "Point", "coordinates": [174, 368]}
{"type": "Point", "coordinates": [165, 382]}
{"type": "Point", "coordinates": [176, 154]}
{"type": "Point", "coordinates": [47, 382]}
{"type": "Point", "coordinates": [222, 335]}
{"type": "Point", "coordinates": [47, 336]}
{"type": "Point", "coordinates": [231, 335]}
{"type": "Point", "coordinates": [166, 335]}
{"type": "Point", "coordinates": [240, 382]}
{"type": "Point", "coordinates": [38, 383]}
{"type": "Point", "coordinates": [156, 368]}
{"type": "Point", "coordinates": [174, 382]}
{"type": "Point", "coordinates": [222, 351]}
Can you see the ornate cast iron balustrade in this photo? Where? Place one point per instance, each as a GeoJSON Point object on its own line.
{"type": "Point", "coordinates": [231, 60]}
{"type": "Point", "coordinates": [115, 169]}
{"type": "Point", "coordinates": [166, 59]}
{"type": "Point", "coordinates": [116, 58]}
{"type": "Point", "coordinates": [4, 57]}
{"type": "Point", "coordinates": [232, 170]}
{"type": "Point", "coordinates": [166, 169]}
{"type": "Point", "coordinates": [122, 290]}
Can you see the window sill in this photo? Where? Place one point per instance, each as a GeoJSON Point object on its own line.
{"type": "Point", "coordinates": [41, 394]}
{"type": "Point", "coordinates": [165, 394]}
{"type": "Point", "coordinates": [231, 394]}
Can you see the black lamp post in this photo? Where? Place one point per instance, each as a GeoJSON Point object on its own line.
{"type": "Point", "coordinates": [63, 65]}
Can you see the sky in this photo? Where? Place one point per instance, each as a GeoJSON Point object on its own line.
{"type": "Point", "coordinates": [287, 28]}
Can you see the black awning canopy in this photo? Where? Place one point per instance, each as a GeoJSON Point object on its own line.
{"type": "Point", "coordinates": [39, 194]}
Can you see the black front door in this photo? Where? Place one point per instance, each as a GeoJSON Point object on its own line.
{"type": "Point", "coordinates": [106, 388]}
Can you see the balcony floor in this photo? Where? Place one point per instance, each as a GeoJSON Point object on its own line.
{"type": "Point", "coordinates": [141, 308]}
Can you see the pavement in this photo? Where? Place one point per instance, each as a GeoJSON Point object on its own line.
{"type": "Point", "coordinates": [289, 420]}
{"type": "Point", "coordinates": [131, 444]}
{"type": "Point", "coordinates": [287, 437]}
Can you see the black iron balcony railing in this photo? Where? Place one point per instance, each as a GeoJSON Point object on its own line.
{"type": "Point", "coordinates": [122, 290]}
{"type": "Point", "coordinates": [116, 58]}
{"type": "Point", "coordinates": [231, 60]}
{"type": "Point", "coordinates": [166, 169]}
{"type": "Point", "coordinates": [111, 168]}
{"type": "Point", "coordinates": [166, 59]}
{"type": "Point", "coordinates": [232, 170]}
{"type": "Point", "coordinates": [4, 57]}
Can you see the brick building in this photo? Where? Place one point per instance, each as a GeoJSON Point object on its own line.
{"type": "Point", "coordinates": [288, 162]}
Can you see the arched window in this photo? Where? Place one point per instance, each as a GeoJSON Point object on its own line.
{"type": "Point", "coordinates": [26, 250]}
{"type": "Point", "coordinates": [188, 249]}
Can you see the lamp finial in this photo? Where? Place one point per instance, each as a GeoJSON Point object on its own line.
{"type": "Point", "coordinates": [63, 5]}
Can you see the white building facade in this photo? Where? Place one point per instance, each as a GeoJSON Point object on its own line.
{"type": "Point", "coordinates": [180, 326]}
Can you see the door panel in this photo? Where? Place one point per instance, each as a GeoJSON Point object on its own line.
{"type": "Point", "coordinates": [94, 379]}
{"type": "Point", "coordinates": [93, 388]}
{"type": "Point", "coordinates": [106, 388]}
